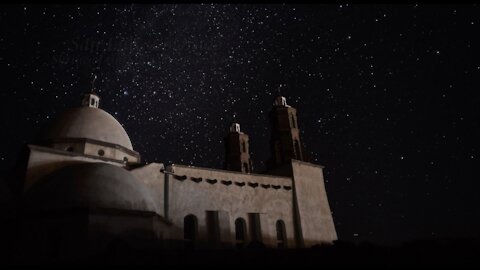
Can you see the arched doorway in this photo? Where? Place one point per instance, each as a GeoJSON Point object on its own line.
{"type": "Point", "coordinates": [281, 234]}
{"type": "Point", "coordinates": [190, 231]}
{"type": "Point", "coordinates": [240, 232]}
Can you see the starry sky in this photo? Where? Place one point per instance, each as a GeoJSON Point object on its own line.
{"type": "Point", "coordinates": [387, 95]}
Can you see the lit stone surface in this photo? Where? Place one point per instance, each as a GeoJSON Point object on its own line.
{"type": "Point", "coordinates": [313, 208]}
{"type": "Point", "coordinates": [90, 123]}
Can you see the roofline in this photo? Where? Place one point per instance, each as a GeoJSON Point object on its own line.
{"type": "Point", "coordinates": [233, 172]}
{"type": "Point", "coordinates": [308, 163]}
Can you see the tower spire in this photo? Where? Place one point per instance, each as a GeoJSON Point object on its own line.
{"type": "Point", "coordinates": [237, 154]}
{"type": "Point", "coordinates": [279, 90]}
{"type": "Point", "coordinates": [235, 127]}
{"type": "Point", "coordinates": [285, 141]}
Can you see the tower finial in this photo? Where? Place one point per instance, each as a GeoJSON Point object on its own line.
{"type": "Point", "coordinates": [234, 127]}
{"type": "Point", "coordinates": [280, 100]}
{"type": "Point", "coordinates": [279, 90]}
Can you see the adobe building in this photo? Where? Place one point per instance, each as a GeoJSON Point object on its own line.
{"type": "Point", "coordinates": [86, 188]}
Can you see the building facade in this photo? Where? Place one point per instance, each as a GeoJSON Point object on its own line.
{"type": "Point", "coordinates": [86, 188]}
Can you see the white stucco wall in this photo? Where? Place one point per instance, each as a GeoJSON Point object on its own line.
{"type": "Point", "coordinates": [314, 210]}
{"type": "Point", "coordinates": [188, 197]}
{"type": "Point", "coordinates": [151, 176]}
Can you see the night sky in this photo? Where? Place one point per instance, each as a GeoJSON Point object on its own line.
{"type": "Point", "coordinates": [387, 95]}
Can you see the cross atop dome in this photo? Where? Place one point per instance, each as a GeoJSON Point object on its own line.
{"type": "Point", "coordinates": [91, 99]}
{"type": "Point", "coordinates": [93, 84]}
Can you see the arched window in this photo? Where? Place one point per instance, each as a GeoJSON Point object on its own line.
{"type": "Point", "coordinates": [240, 232]}
{"type": "Point", "coordinates": [101, 152]}
{"type": "Point", "coordinates": [281, 234]}
{"type": "Point", "coordinates": [125, 159]}
{"type": "Point", "coordinates": [190, 230]}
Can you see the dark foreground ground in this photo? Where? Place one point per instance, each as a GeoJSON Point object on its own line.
{"type": "Point", "coordinates": [419, 253]}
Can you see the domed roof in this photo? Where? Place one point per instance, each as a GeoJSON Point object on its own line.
{"type": "Point", "coordinates": [91, 123]}
{"type": "Point", "coordinates": [91, 185]}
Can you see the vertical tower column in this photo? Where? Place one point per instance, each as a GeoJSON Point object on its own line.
{"type": "Point", "coordinates": [285, 143]}
{"type": "Point", "coordinates": [237, 154]}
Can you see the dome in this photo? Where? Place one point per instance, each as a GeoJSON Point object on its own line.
{"type": "Point", "coordinates": [91, 185]}
{"type": "Point", "coordinates": [90, 123]}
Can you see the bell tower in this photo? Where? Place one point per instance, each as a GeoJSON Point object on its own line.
{"type": "Point", "coordinates": [237, 155]}
{"type": "Point", "coordinates": [285, 143]}
{"type": "Point", "coordinates": [91, 99]}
